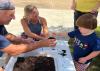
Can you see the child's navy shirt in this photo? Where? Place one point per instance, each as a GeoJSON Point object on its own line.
{"type": "Point", "coordinates": [83, 45]}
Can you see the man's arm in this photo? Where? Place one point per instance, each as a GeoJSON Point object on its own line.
{"type": "Point", "coordinates": [18, 49]}
{"type": "Point", "coordinates": [17, 40]}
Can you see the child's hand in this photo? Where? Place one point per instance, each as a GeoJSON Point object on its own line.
{"type": "Point", "coordinates": [82, 60]}
{"type": "Point", "coordinates": [53, 34]}
{"type": "Point", "coordinates": [47, 43]}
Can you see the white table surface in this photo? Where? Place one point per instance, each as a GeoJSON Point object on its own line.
{"type": "Point", "coordinates": [62, 63]}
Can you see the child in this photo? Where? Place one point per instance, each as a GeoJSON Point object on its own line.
{"type": "Point", "coordinates": [85, 44]}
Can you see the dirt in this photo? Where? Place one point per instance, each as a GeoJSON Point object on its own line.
{"type": "Point", "coordinates": [32, 63]}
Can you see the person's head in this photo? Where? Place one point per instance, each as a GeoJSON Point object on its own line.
{"type": "Point", "coordinates": [7, 10]}
{"type": "Point", "coordinates": [86, 23]}
{"type": "Point", "coordinates": [31, 12]}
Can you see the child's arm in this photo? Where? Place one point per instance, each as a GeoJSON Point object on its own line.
{"type": "Point", "coordinates": [90, 56]}
{"type": "Point", "coordinates": [63, 34]}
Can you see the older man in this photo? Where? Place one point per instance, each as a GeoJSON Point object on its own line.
{"type": "Point", "coordinates": [7, 11]}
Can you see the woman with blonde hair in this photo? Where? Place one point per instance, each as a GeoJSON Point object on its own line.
{"type": "Point", "coordinates": [34, 26]}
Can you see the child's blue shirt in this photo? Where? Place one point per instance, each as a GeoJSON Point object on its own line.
{"type": "Point", "coordinates": [83, 45]}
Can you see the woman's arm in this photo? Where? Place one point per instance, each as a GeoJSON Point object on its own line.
{"type": "Point", "coordinates": [27, 30]}
{"type": "Point", "coordinates": [44, 27]}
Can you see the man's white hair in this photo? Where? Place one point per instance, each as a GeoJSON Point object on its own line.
{"type": "Point", "coordinates": [6, 5]}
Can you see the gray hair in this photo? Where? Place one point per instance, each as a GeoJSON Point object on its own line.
{"type": "Point", "coordinates": [6, 5]}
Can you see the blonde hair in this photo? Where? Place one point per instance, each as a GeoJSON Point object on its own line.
{"type": "Point", "coordinates": [29, 9]}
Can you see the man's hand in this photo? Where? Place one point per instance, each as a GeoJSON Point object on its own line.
{"type": "Point", "coordinates": [10, 37]}
{"type": "Point", "coordinates": [1, 69]}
